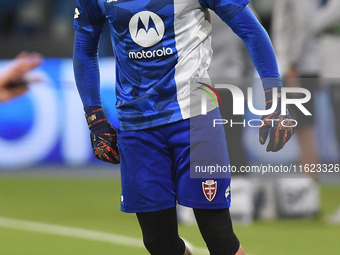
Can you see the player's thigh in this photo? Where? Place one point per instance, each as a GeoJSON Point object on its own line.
{"type": "Point", "coordinates": [203, 178]}
{"type": "Point", "coordinates": [146, 171]}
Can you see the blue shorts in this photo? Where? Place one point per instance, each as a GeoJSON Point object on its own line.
{"type": "Point", "coordinates": [156, 162]}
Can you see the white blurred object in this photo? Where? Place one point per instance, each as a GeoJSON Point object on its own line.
{"type": "Point", "coordinates": [334, 218]}
{"type": "Point", "coordinates": [327, 17]}
{"type": "Point", "coordinates": [265, 202]}
{"type": "Point", "coordinates": [264, 7]}
{"type": "Point", "coordinates": [242, 205]}
{"type": "Point", "coordinates": [330, 56]}
{"type": "Point", "coordinates": [61, 29]}
{"type": "Point", "coordinates": [185, 215]}
{"type": "Point", "coordinates": [293, 37]}
{"type": "Point", "coordinates": [32, 15]}
{"type": "Point", "coordinates": [297, 197]}
{"type": "Point", "coordinates": [293, 197]}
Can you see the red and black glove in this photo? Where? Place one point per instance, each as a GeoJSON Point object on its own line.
{"type": "Point", "coordinates": [103, 135]}
{"type": "Point", "coordinates": [280, 126]}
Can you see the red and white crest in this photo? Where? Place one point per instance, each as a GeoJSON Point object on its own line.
{"type": "Point", "coordinates": [209, 189]}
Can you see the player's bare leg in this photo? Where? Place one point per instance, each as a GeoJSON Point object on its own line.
{"type": "Point", "coordinates": [309, 153]}
{"type": "Point", "coordinates": [187, 251]}
{"type": "Point", "coordinates": [240, 251]}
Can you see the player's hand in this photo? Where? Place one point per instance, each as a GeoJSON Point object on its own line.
{"type": "Point", "coordinates": [103, 135]}
{"type": "Point", "coordinates": [13, 81]}
{"type": "Point", "coordinates": [279, 127]}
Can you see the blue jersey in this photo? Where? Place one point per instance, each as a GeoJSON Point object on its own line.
{"type": "Point", "coordinates": [159, 45]}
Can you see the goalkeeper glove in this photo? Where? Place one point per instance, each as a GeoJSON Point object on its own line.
{"type": "Point", "coordinates": [103, 135]}
{"type": "Point", "coordinates": [280, 126]}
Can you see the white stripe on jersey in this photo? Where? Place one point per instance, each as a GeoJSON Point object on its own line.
{"type": "Point", "coordinates": [193, 43]}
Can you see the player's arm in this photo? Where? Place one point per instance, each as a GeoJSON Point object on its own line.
{"type": "Point", "coordinates": [86, 72]}
{"type": "Point", "coordinates": [261, 51]}
{"type": "Point", "coordinates": [88, 25]}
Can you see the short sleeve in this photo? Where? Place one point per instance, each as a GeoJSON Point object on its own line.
{"type": "Point", "coordinates": [225, 9]}
{"type": "Point", "coordinates": [88, 17]}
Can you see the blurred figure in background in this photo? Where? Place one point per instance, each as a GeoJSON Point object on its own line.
{"type": "Point", "coordinates": [327, 27]}
{"type": "Point", "coordinates": [264, 10]}
{"type": "Point", "coordinates": [12, 79]}
{"type": "Point", "coordinates": [304, 59]}
{"type": "Point", "coordinates": [297, 51]}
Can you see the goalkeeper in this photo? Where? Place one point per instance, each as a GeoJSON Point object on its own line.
{"type": "Point", "coordinates": [159, 47]}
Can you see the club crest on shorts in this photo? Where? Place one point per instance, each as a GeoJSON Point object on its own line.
{"type": "Point", "coordinates": [209, 189]}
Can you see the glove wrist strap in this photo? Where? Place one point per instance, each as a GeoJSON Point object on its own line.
{"type": "Point", "coordinates": [94, 115]}
{"type": "Point", "coordinates": [269, 97]}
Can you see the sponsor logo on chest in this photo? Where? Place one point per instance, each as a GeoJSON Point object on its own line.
{"type": "Point", "coordinates": [147, 29]}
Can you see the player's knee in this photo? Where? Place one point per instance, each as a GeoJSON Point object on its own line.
{"type": "Point", "coordinates": [217, 231]}
{"type": "Point", "coordinates": [152, 245]}
{"type": "Point", "coordinates": [164, 246]}
{"type": "Point", "coordinates": [227, 245]}
{"type": "Point", "coordinates": [234, 244]}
